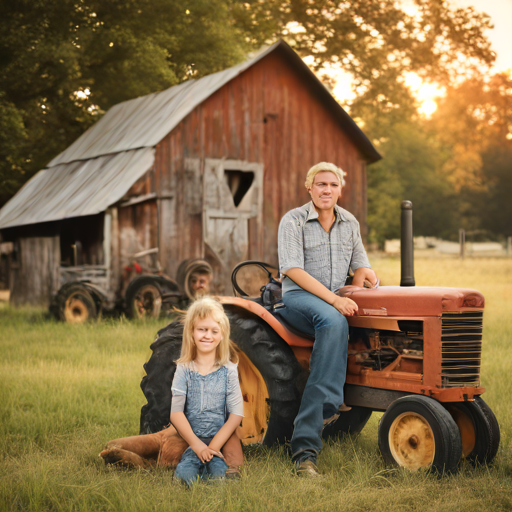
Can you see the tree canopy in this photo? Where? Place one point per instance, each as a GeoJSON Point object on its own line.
{"type": "Point", "coordinates": [64, 62]}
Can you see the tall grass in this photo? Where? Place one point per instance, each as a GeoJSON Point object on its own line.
{"type": "Point", "coordinates": [66, 390]}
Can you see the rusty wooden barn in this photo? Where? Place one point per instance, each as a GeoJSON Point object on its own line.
{"type": "Point", "coordinates": [204, 169]}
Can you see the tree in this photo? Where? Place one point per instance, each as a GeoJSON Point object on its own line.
{"type": "Point", "coordinates": [411, 169]}
{"type": "Point", "coordinates": [64, 62]}
{"type": "Point", "coordinates": [474, 126]}
{"type": "Point", "coordinates": [377, 42]}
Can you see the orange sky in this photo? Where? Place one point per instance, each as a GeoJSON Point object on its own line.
{"type": "Point", "coordinates": [500, 12]}
{"type": "Point", "coordinates": [500, 36]}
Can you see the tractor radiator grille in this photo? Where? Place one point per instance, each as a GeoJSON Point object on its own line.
{"type": "Point", "coordinates": [461, 349]}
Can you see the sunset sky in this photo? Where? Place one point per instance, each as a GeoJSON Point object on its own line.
{"type": "Point", "coordinates": [500, 36]}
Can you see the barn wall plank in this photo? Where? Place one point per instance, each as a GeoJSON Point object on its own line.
{"type": "Point", "coordinates": [265, 115]}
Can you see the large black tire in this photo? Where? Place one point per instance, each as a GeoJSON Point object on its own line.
{"type": "Point", "coordinates": [350, 422]}
{"type": "Point", "coordinates": [143, 297]}
{"type": "Point", "coordinates": [277, 364]}
{"type": "Point", "coordinates": [417, 432]}
{"type": "Point", "coordinates": [74, 304]}
{"type": "Point", "coordinates": [156, 384]}
{"type": "Point", "coordinates": [479, 429]}
{"type": "Point", "coordinates": [271, 356]}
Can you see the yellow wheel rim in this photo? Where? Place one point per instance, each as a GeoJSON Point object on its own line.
{"type": "Point", "coordinates": [147, 302]}
{"type": "Point", "coordinates": [75, 311]}
{"type": "Point", "coordinates": [466, 429]}
{"type": "Point", "coordinates": [255, 396]}
{"type": "Point", "coordinates": [411, 441]}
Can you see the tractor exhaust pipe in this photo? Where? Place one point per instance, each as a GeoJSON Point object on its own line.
{"type": "Point", "coordinates": [406, 246]}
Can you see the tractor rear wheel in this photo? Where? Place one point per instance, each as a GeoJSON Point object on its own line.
{"type": "Point", "coordinates": [269, 375]}
{"type": "Point", "coordinates": [75, 305]}
{"type": "Point", "coordinates": [417, 432]}
{"type": "Point", "coordinates": [479, 430]}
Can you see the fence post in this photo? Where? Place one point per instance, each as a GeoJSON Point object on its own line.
{"type": "Point", "coordinates": [509, 246]}
{"type": "Point", "coordinates": [462, 242]}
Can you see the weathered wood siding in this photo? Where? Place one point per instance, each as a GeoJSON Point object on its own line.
{"type": "Point", "coordinates": [266, 115]}
{"type": "Point", "coordinates": [35, 274]}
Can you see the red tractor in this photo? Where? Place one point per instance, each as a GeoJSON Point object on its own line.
{"type": "Point", "coordinates": [414, 354]}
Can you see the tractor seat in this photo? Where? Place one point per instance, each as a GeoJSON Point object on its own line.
{"type": "Point", "coordinates": [280, 318]}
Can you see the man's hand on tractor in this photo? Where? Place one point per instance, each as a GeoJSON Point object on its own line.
{"type": "Point", "coordinates": [363, 274]}
{"type": "Point", "coordinates": [345, 305]}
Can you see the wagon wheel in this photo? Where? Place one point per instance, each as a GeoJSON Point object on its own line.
{"type": "Point", "coordinates": [479, 430]}
{"type": "Point", "coordinates": [268, 370]}
{"type": "Point", "coordinates": [75, 304]}
{"type": "Point", "coordinates": [143, 298]}
{"type": "Point", "coordinates": [417, 432]}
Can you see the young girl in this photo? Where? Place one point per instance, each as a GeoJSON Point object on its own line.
{"type": "Point", "coordinates": [207, 404]}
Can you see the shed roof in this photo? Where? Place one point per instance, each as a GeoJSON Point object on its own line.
{"type": "Point", "coordinates": [84, 187]}
{"type": "Point", "coordinates": [128, 127]}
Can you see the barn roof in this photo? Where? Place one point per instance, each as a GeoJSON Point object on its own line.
{"type": "Point", "coordinates": [98, 169]}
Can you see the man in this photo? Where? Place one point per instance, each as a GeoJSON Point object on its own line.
{"type": "Point", "coordinates": [199, 282]}
{"type": "Point", "coordinates": [318, 243]}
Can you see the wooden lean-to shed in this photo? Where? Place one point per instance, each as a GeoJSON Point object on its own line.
{"type": "Point", "coordinates": [205, 169]}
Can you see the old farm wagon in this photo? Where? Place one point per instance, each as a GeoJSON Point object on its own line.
{"type": "Point", "coordinates": [203, 170]}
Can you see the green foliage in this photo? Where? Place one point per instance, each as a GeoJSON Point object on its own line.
{"type": "Point", "coordinates": [107, 51]}
{"type": "Point", "coordinates": [377, 42]}
{"type": "Point", "coordinates": [117, 50]}
{"type": "Point", "coordinates": [493, 204]}
{"type": "Point", "coordinates": [410, 169]}
{"type": "Point", "coordinates": [66, 390]}
{"type": "Point", "coordinates": [12, 135]}
{"type": "Point", "coordinates": [473, 129]}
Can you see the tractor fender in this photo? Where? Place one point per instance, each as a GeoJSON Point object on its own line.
{"type": "Point", "coordinates": [289, 337]}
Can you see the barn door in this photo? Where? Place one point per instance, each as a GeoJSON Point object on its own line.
{"type": "Point", "coordinates": [232, 196]}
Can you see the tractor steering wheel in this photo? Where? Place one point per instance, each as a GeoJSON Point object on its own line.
{"type": "Point", "coordinates": [236, 288]}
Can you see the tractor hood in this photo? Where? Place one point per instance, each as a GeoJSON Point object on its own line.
{"type": "Point", "coordinates": [412, 301]}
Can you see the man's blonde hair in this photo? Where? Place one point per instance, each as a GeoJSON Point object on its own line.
{"type": "Point", "coordinates": [324, 167]}
{"type": "Point", "coordinates": [199, 310]}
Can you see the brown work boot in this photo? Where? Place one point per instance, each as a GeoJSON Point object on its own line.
{"type": "Point", "coordinates": [307, 468]}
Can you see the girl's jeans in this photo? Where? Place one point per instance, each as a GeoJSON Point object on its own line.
{"type": "Point", "coordinates": [323, 393]}
{"type": "Point", "coordinates": [190, 469]}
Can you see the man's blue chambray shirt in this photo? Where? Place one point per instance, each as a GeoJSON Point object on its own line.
{"type": "Point", "coordinates": [303, 243]}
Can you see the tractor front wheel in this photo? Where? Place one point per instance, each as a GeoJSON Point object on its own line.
{"type": "Point", "coordinates": [417, 432]}
{"type": "Point", "coordinates": [479, 430]}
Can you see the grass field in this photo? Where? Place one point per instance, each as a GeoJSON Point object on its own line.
{"type": "Point", "coordinates": [66, 390]}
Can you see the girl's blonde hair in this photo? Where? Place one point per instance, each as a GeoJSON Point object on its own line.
{"type": "Point", "coordinates": [199, 310]}
{"type": "Point", "coordinates": [324, 167]}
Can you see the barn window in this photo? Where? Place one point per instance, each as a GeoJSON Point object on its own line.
{"type": "Point", "coordinates": [239, 182]}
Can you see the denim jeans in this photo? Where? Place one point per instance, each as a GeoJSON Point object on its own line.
{"type": "Point", "coordinates": [190, 469]}
{"type": "Point", "coordinates": [323, 393]}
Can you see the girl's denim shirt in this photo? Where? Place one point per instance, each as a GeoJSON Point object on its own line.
{"type": "Point", "coordinates": [209, 399]}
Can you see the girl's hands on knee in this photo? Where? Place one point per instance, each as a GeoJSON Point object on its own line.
{"type": "Point", "coordinates": [205, 453]}
{"type": "Point", "coordinates": [345, 306]}
{"type": "Point", "coordinates": [199, 449]}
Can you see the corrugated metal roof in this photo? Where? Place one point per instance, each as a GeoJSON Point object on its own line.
{"type": "Point", "coordinates": [69, 187]}
{"type": "Point", "coordinates": [77, 188]}
{"type": "Point", "coordinates": [145, 121]}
